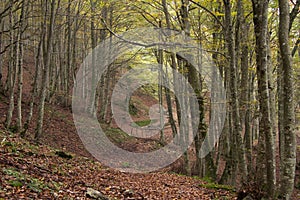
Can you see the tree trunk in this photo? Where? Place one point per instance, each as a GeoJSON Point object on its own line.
{"type": "Point", "coordinates": [160, 94]}
{"type": "Point", "coordinates": [173, 65]}
{"type": "Point", "coordinates": [47, 48]}
{"type": "Point", "coordinates": [20, 64]}
{"type": "Point", "coordinates": [288, 162]}
{"type": "Point", "coordinates": [1, 56]}
{"type": "Point", "coordinates": [260, 19]}
{"type": "Point", "coordinates": [234, 104]}
{"type": "Point", "coordinates": [92, 110]}
{"type": "Point", "coordinates": [34, 90]}
{"type": "Point", "coordinates": [12, 68]}
{"type": "Point", "coordinates": [245, 84]}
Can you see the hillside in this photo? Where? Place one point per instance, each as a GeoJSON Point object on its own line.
{"type": "Point", "coordinates": [61, 168]}
{"type": "Point", "coordinates": [29, 171]}
{"type": "Point", "coordinates": [192, 99]}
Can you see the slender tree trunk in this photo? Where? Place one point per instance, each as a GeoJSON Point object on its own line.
{"type": "Point", "coordinates": [12, 68]}
{"type": "Point", "coordinates": [20, 64]}
{"type": "Point", "coordinates": [245, 85]}
{"type": "Point", "coordinates": [233, 94]}
{"type": "Point", "coordinates": [160, 94]}
{"type": "Point", "coordinates": [94, 43]}
{"type": "Point", "coordinates": [106, 99]}
{"type": "Point", "coordinates": [69, 52]}
{"type": "Point", "coordinates": [34, 90]}
{"type": "Point", "coordinates": [271, 86]}
{"type": "Point", "coordinates": [288, 161]}
{"type": "Point", "coordinates": [173, 65]}
{"type": "Point", "coordinates": [184, 127]}
{"type": "Point", "coordinates": [47, 48]}
{"type": "Point", "coordinates": [260, 12]}
{"type": "Point", "coordinates": [1, 55]}
{"type": "Point", "coordinates": [169, 104]}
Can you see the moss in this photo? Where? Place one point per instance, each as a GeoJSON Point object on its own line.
{"type": "Point", "coordinates": [217, 186]}
{"type": "Point", "coordinates": [117, 135]}
{"type": "Point", "coordinates": [19, 179]}
{"type": "Point", "coordinates": [143, 123]}
{"type": "Point", "coordinates": [206, 179]}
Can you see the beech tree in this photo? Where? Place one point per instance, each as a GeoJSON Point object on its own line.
{"type": "Point", "coordinates": [266, 164]}
{"type": "Point", "coordinates": [47, 49]}
{"type": "Point", "coordinates": [288, 147]}
{"type": "Point", "coordinates": [252, 44]}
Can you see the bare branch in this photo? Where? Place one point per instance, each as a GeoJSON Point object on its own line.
{"type": "Point", "coordinates": [295, 47]}
{"type": "Point", "coordinates": [295, 11]}
{"type": "Point", "coordinates": [207, 10]}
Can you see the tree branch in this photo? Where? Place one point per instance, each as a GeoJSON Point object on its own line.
{"type": "Point", "coordinates": [171, 44]}
{"type": "Point", "coordinates": [295, 47]}
{"type": "Point", "coordinates": [207, 10]}
{"type": "Point", "coordinates": [294, 13]}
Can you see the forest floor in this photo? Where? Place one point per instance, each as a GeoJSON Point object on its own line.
{"type": "Point", "coordinates": [61, 168]}
{"type": "Point", "coordinates": [41, 172]}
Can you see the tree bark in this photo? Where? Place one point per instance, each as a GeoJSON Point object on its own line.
{"type": "Point", "coordinates": [288, 161]}
{"type": "Point", "coordinates": [20, 63]}
{"type": "Point", "coordinates": [245, 104]}
{"type": "Point", "coordinates": [34, 90]}
{"type": "Point", "coordinates": [260, 19]}
{"type": "Point", "coordinates": [234, 103]}
{"type": "Point", "coordinates": [1, 56]}
{"type": "Point", "coordinates": [47, 48]}
{"type": "Point", "coordinates": [92, 110]}
{"type": "Point", "coordinates": [12, 68]}
{"type": "Point", "coordinates": [173, 65]}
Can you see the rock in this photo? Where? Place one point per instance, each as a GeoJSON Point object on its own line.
{"type": "Point", "coordinates": [63, 155]}
{"type": "Point", "coordinates": [128, 193]}
{"type": "Point", "coordinates": [95, 194]}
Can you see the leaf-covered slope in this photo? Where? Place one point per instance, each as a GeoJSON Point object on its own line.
{"type": "Point", "coordinates": [28, 171]}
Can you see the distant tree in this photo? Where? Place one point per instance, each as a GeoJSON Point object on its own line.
{"type": "Point", "coordinates": [21, 31]}
{"type": "Point", "coordinates": [47, 49]}
{"type": "Point", "coordinates": [1, 55]}
{"type": "Point", "coordinates": [12, 66]}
